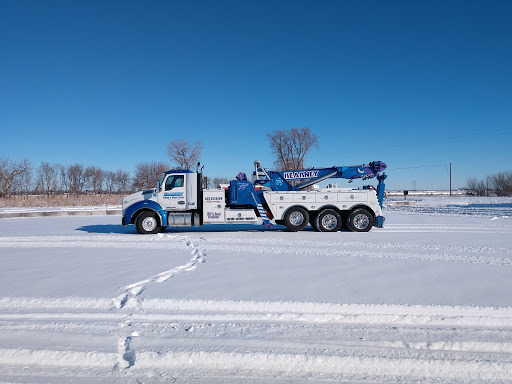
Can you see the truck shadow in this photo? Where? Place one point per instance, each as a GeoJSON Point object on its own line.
{"type": "Point", "coordinates": [210, 228]}
{"type": "Point", "coordinates": [108, 228]}
{"type": "Point", "coordinates": [130, 229]}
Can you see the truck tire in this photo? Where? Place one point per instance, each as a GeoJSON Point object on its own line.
{"type": "Point", "coordinates": [296, 219]}
{"type": "Point", "coordinates": [147, 224]}
{"type": "Point", "coordinates": [328, 220]}
{"type": "Point", "coordinates": [360, 220]}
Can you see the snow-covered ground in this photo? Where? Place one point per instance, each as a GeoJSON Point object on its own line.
{"type": "Point", "coordinates": [493, 207]}
{"type": "Point", "coordinates": [425, 299]}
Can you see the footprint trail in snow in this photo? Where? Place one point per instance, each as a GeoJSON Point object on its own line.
{"type": "Point", "coordinates": [129, 300]}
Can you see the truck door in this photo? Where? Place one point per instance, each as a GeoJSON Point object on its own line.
{"type": "Point", "coordinates": [173, 194]}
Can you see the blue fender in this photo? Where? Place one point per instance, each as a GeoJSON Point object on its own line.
{"type": "Point", "coordinates": [129, 215]}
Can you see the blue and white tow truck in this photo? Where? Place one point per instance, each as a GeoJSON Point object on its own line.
{"type": "Point", "coordinates": [180, 199]}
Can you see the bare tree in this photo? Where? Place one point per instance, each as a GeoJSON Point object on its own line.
{"type": "Point", "coordinates": [290, 147]}
{"type": "Point", "coordinates": [9, 171]}
{"type": "Point", "coordinates": [109, 181]}
{"type": "Point", "coordinates": [184, 154]}
{"type": "Point", "coordinates": [476, 186]}
{"type": "Point", "coordinates": [216, 181]}
{"type": "Point", "coordinates": [47, 178]}
{"type": "Point", "coordinates": [94, 177]}
{"type": "Point", "coordinates": [146, 174]}
{"type": "Point", "coordinates": [23, 183]}
{"type": "Point", "coordinates": [502, 183]}
{"type": "Point", "coordinates": [116, 182]}
{"type": "Point", "coordinates": [63, 178]}
{"type": "Point", "coordinates": [121, 181]}
{"type": "Point", "coordinates": [76, 177]}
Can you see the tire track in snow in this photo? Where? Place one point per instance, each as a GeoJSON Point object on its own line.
{"type": "Point", "coordinates": [286, 341]}
{"type": "Point", "coordinates": [318, 251]}
{"type": "Point", "coordinates": [421, 252]}
{"type": "Point", "coordinates": [101, 241]}
{"type": "Point", "coordinates": [452, 210]}
{"type": "Point", "coordinates": [129, 299]}
{"type": "Point", "coordinates": [361, 244]}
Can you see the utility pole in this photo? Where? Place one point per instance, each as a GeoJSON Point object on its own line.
{"type": "Point", "coordinates": [450, 179]}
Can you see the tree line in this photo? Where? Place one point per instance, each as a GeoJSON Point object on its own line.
{"type": "Point", "coordinates": [21, 178]}
{"type": "Point", "coordinates": [290, 148]}
{"type": "Point", "coordinates": [499, 184]}
{"type": "Point", "coordinates": [18, 177]}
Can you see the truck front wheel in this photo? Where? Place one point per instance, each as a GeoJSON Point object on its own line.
{"type": "Point", "coordinates": [359, 220]}
{"type": "Point", "coordinates": [296, 219]}
{"type": "Point", "coordinates": [146, 224]}
{"type": "Point", "coordinates": [328, 221]}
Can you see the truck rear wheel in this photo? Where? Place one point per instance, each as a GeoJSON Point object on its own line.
{"type": "Point", "coordinates": [360, 220]}
{"type": "Point", "coordinates": [296, 219]}
{"type": "Point", "coordinates": [328, 220]}
{"type": "Point", "coordinates": [146, 224]}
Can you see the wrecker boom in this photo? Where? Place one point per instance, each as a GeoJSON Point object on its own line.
{"type": "Point", "coordinates": [279, 181]}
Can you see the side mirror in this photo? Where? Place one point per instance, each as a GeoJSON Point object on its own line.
{"type": "Point", "coordinates": [158, 185]}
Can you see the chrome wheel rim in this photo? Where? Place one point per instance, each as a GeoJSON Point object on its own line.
{"type": "Point", "coordinates": [329, 222]}
{"type": "Point", "coordinates": [296, 218]}
{"type": "Point", "coordinates": [361, 221]}
{"type": "Point", "coordinates": [149, 224]}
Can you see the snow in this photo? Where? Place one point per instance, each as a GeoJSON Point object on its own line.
{"type": "Point", "coordinates": [496, 207]}
{"type": "Point", "coordinates": [425, 299]}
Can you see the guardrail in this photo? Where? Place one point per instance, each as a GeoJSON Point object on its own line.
{"type": "Point", "coordinates": [79, 211]}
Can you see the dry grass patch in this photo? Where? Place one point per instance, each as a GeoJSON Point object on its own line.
{"type": "Point", "coordinates": [60, 201]}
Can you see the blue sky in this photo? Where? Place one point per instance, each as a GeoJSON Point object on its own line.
{"type": "Point", "coordinates": [416, 84]}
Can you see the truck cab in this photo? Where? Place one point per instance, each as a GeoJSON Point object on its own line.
{"type": "Point", "coordinates": [173, 201]}
{"type": "Point", "coordinates": [179, 200]}
{"type": "Point", "coordinates": [178, 190]}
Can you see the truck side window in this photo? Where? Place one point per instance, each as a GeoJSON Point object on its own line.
{"type": "Point", "coordinates": [173, 182]}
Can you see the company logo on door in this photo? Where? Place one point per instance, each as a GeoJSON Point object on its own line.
{"type": "Point", "coordinates": [172, 195]}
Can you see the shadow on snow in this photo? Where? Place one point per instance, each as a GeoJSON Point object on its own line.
{"type": "Point", "coordinates": [130, 229]}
